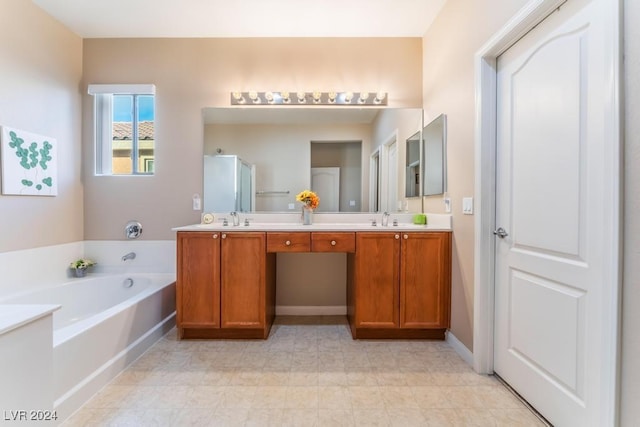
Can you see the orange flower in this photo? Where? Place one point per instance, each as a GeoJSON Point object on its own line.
{"type": "Point", "coordinates": [309, 198]}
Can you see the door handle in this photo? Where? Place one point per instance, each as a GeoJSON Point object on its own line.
{"type": "Point", "coordinates": [501, 232]}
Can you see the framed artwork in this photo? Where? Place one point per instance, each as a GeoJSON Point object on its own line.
{"type": "Point", "coordinates": [29, 163]}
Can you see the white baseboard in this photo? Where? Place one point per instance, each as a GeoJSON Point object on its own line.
{"type": "Point", "coordinates": [305, 310]}
{"type": "Point", "coordinates": [459, 348]}
{"type": "Point", "coordinates": [73, 399]}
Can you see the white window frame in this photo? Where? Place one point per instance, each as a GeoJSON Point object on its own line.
{"type": "Point", "coordinates": [103, 126]}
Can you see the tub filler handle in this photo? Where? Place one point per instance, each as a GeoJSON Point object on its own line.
{"type": "Point", "coordinates": [128, 282]}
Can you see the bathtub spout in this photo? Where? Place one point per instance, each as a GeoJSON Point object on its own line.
{"type": "Point", "coordinates": [130, 255]}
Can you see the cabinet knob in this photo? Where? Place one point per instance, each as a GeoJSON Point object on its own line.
{"type": "Point", "coordinates": [333, 243]}
{"type": "Point", "coordinates": [288, 243]}
{"type": "Point", "coordinates": [224, 236]}
{"type": "Point", "coordinates": [397, 236]}
{"type": "Point", "coordinates": [215, 236]}
{"type": "Point", "coordinates": [406, 236]}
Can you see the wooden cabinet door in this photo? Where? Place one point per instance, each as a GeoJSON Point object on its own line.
{"type": "Point", "coordinates": [425, 280]}
{"type": "Point", "coordinates": [242, 264]}
{"type": "Point", "coordinates": [377, 264]}
{"type": "Point", "coordinates": [198, 280]}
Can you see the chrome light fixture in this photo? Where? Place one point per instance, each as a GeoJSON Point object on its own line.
{"type": "Point", "coordinates": [380, 96]}
{"type": "Point", "coordinates": [238, 97]}
{"type": "Point", "coordinates": [309, 98]}
{"type": "Point", "coordinates": [253, 96]}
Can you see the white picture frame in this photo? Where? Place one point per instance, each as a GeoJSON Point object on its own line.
{"type": "Point", "coordinates": [29, 163]}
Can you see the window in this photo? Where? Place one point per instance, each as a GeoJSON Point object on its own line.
{"type": "Point", "coordinates": [124, 129]}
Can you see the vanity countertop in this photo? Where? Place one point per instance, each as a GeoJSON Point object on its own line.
{"type": "Point", "coordinates": [324, 222]}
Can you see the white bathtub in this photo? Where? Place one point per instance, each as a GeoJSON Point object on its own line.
{"type": "Point", "coordinates": [105, 323]}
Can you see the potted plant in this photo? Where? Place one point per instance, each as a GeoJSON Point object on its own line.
{"type": "Point", "coordinates": [80, 266]}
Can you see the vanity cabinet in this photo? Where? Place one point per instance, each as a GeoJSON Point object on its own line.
{"type": "Point", "coordinates": [399, 285]}
{"type": "Point", "coordinates": [225, 285]}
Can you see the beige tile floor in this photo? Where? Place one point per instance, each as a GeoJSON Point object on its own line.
{"type": "Point", "coordinates": [310, 372]}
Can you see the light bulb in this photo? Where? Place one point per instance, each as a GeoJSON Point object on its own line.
{"type": "Point", "coordinates": [363, 97]}
{"type": "Point", "coordinates": [302, 97]}
{"type": "Point", "coordinates": [348, 96]}
{"type": "Point", "coordinates": [316, 97]}
{"type": "Point", "coordinates": [285, 97]}
{"type": "Point", "coordinates": [254, 97]}
{"type": "Point", "coordinates": [380, 96]}
{"type": "Point", "coordinates": [332, 97]}
{"type": "Point", "coordinates": [238, 97]}
{"type": "Point", "coordinates": [269, 97]}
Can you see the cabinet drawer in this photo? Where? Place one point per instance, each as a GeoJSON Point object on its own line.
{"type": "Point", "coordinates": [333, 242]}
{"type": "Point", "coordinates": [288, 242]}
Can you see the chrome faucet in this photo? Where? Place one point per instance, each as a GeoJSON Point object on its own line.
{"type": "Point", "coordinates": [385, 219]}
{"type": "Point", "coordinates": [130, 255]}
{"type": "Point", "coordinates": [236, 218]}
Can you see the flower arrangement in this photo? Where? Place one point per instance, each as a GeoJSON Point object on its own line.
{"type": "Point", "coordinates": [309, 198]}
{"type": "Point", "coordinates": [81, 264]}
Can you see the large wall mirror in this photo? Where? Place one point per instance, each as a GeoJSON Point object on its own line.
{"type": "Point", "coordinates": [325, 149]}
{"type": "Point", "coordinates": [434, 138]}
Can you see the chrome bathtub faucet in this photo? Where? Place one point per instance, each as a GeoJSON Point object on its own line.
{"type": "Point", "coordinates": [130, 255]}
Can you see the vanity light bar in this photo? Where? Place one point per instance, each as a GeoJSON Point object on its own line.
{"type": "Point", "coordinates": [308, 98]}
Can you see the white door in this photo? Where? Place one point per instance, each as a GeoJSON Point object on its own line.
{"type": "Point", "coordinates": [325, 182]}
{"type": "Point", "coordinates": [392, 177]}
{"type": "Point", "coordinates": [550, 319]}
{"type": "Point", "coordinates": [374, 182]}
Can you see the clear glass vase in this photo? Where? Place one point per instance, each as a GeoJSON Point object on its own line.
{"type": "Point", "coordinates": [307, 215]}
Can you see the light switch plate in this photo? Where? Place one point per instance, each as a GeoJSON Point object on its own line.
{"type": "Point", "coordinates": [467, 205]}
{"type": "Point", "coordinates": [352, 202]}
{"type": "Point", "coordinates": [291, 206]}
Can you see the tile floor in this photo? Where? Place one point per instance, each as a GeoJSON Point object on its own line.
{"type": "Point", "coordinates": [310, 372]}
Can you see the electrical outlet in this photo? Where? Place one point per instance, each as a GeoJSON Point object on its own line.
{"type": "Point", "coordinates": [197, 205]}
{"type": "Point", "coordinates": [292, 206]}
{"type": "Point", "coordinates": [352, 202]}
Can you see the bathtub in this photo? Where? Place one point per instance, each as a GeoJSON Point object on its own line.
{"type": "Point", "coordinates": [104, 324]}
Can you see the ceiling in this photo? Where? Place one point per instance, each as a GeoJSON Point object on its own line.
{"type": "Point", "coordinates": [244, 18]}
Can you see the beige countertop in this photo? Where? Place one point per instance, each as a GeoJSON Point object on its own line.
{"type": "Point", "coordinates": [323, 222]}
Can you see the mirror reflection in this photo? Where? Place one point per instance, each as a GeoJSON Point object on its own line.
{"type": "Point", "coordinates": [434, 137]}
{"type": "Point", "coordinates": [412, 180]}
{"type": "Point", "coordinates": [327, 150]}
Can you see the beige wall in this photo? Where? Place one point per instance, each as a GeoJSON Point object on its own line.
{"type": "Point", "coordinates": [190, 74]}
{"type": "Point", "coordinates": [630, 384]}
{"type": "Point", "coordinates": [40, 72]}
{"type": "Point", "coordinates": [449, 46]}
